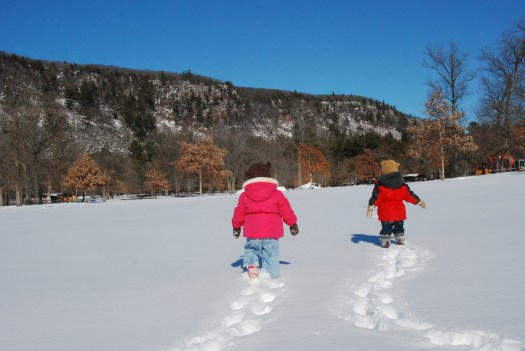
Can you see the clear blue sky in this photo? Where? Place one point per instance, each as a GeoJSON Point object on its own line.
{"type": "Point", "coordinates": [368, 48]}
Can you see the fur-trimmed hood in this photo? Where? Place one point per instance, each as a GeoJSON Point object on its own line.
{"type": "Point", "coordinates": [392, 180]}
{"type": "Point", "coordinates": [260, 188]}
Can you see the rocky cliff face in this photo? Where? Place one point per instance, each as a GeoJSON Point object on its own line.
{"type": "Point", "coordinates": [108, 106]}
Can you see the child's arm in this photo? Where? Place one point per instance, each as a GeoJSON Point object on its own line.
{"type": "Point", "coordinates": [238, 214]}
{"type": "Point", "coordinates": [286, 212]}
{"type": "Point", "coordinates": [413, 198]}
{"type": "Point", "coordinates": [374, 200]}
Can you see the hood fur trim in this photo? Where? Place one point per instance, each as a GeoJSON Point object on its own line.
{"type": "Point", "coordinates": [259, 180]}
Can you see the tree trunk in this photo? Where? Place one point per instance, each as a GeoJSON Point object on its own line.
{"type": "Point", "coordinates": [48, 198]}
{"type": "Point", "coordinates": [230, 183]}
{"type": "Point", "coordinates": [442, 164]}
{"type": "Point", "coordinates": [18, 195]}
{"type": "Point", "coordinates": [299, 170]}
{"type": "Point", "coordinates": [455, 162]}
{"type": "Point", "coordinates": [200, 182]}
{"type": "Point", "coordinates": [18, 186]}
{"type": "Point", "coordinates": [1, 196]}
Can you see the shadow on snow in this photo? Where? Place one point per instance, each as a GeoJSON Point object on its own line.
{"type": "Point", "coordinates": [371, 239]}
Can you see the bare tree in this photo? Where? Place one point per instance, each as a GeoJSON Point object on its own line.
{"type": "Point", "coordinates": [441, 131]}
{"type": "Point", "coordinates": [453, 77]}
{"type": "Point", "coordinates": [167, 150]}
{"type": "Point", "coordinates": [31, 128]}
{"type": "Point", "coordinates": [242, 150]}
{"type": "Point", "coordinates": [503, 89]}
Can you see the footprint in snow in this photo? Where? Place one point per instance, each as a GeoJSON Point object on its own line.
{"type": "Point", "coordinates": [251, 303]}
{"type": "Point", "coordinates": [374, 307]}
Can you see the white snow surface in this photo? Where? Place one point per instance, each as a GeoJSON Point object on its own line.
{"type": "Point", "coordinates": [164, 274]}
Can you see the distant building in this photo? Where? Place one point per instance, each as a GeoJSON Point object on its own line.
{"type": "Point", "coordinates": [414, 177]}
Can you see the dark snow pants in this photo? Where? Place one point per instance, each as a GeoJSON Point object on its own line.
{"type": "Point", "coordinates": [389, 228]}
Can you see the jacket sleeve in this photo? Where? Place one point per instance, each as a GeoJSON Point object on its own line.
{"type": "Point", "coordinates": [286, 212]}
{"type": "Point", "coordinates": [410, 196]}
{"type": "Point", "coordinates": [239, 213]}
{"type": "Point", "coordinates": [376, 195]}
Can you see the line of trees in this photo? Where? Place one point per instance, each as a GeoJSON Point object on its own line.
{"type": "Point", "coordinates": [176, 165]}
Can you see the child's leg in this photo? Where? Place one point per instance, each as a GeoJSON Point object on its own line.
{"type": "Point", "coordinates": [270, 257]}
{"type": "Point", "coordinates": [385, 233]}
{"type": "Point", "coordinates": [399, 232]}
{"type": "Point", "coordinates": [252, 252]}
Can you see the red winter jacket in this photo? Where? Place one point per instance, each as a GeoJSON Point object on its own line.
{"type": "Point", "coordinates": [261, 209]}
{"type": "Point", "coordinates": [388, 195]}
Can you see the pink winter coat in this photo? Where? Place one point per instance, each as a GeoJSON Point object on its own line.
{"type": "Point", "coordinates": [262, 209]}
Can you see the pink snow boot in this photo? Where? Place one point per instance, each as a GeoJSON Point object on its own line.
{"type": "Point", "coordinates": [253, 271]}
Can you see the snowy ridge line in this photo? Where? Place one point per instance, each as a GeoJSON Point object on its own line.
{"type": "Point", "coordinates": [374, 306]}
{"type": "Point", "coordinates": [251, 303]}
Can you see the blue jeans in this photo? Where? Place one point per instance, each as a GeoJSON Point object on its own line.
{"type": "Point", "coordinates": [397, 228]}
{"type": "Point", "coordinates": [265, 251]}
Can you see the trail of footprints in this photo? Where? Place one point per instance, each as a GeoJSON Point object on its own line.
{"type": "Point", "coordinates": [251, 303]}
{"type": "Point", "coordinates": [374, 306]}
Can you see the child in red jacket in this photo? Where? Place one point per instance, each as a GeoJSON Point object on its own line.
{"type": "Point", "coordinates": [261, 209]}
{"type": "Point", "coordinates": [388, 195]}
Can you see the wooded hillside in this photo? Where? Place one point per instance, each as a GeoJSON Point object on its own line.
{"type": "Point", "coordinates": [132, 121]}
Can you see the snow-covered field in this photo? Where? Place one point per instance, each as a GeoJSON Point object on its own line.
{"type": "Point", "coordinates": [164, 274]}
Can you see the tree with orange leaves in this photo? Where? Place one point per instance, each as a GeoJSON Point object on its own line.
{"type": "Point", "coordinates": [156, 181]}
{"type": "Point", "coordinates": [366, 166]}
{"type": "Point", "coordinates": [203, 158]}
{"type": "Point", "coordinates": [312, 163]}
{"type": "Point", "coordinates": [85, 174]}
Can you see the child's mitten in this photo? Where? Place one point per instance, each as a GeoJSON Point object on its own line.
{"type": "Point", "coordinates": [369, 211]}
{"type": "Point", "coordinates": [294, 229]}
{"type": "Point", "coordinates": [422, 203]}
{"type": "Point", "coordinates": [236, 232]}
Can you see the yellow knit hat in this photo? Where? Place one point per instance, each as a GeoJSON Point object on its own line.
{"type": "Point", "coordinates": [389, 166]}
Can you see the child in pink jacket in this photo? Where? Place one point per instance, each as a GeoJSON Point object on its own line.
{"type": "Point", "coordinates": [261, 210]}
